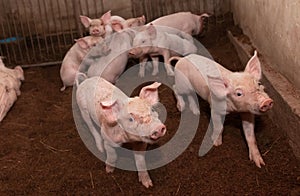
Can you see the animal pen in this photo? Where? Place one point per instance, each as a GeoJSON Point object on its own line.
{"type": "Point", "coordinates": [41, 151]}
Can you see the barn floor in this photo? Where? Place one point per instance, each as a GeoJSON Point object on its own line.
{"type": "Point", "coordinates": [41, 152]}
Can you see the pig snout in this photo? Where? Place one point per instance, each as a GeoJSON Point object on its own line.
{"type": "Point", "coordinates": [159, 132]}
{"type": "Point", "coordinates": [95, 31]}
{"type": "Point", "coordinates": [266, 105]}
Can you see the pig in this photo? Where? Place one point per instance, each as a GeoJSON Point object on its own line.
{"type": "Point", "coordinates": [10, 82]}
{"type": "Point", "coordinates": [7, 99]}
{"type": "Point", "coordinates": [17, 72]}
{"type": "Point", "coordinates": [110, 67]}
{"type": "Point", "coordinates": [122, 119]}
{"type": "Point", "coordinates": [97, 27]}
{"type": "Point", "coordinates": [74, 57]}
{"type": "Point", "coordinates": [154, 41]}
{"type": "Point", "coordinates": [183, 21]}
{"type": "Point", "coordinates": [241, 91]}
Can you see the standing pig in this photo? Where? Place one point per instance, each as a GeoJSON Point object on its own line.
{"type": "Point", "coordinates": [74, 57]}
{"type": "Point", "coordinates": [154, 41]}
{"type": "Point", "coordinates": [184, 21]}
{"type": "Point", "coordinates": [122, 120]}
{"type": "Point", "coordinates": [240, 91]}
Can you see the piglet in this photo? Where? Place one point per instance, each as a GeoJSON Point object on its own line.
{"type": "Point", "coordinates": [187, 22]}
{"type": "Point", "coordinates": [155, 41]}
{"type": "Point", "coordinates": [74, 57]}
{"type": "Point", "coordinates": [122, 120]}
{"type": "Point", "coordinates": [226, 92]}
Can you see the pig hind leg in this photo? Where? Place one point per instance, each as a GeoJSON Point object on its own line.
{"type": "Point", "coordinates": [217, 128]}
{"type": "Point", "coordinates": [87, 119]}
{"type": "Point", "coordinates": [193, 105]}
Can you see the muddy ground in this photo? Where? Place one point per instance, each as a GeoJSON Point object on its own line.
{"type": "Point", "coordinates": [41, 152]}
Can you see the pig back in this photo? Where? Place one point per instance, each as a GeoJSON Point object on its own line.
{"type": "Point", "coordinates": [196, 68]}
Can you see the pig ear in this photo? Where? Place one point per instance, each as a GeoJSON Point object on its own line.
{"type": "Point", "coordinates": [205, 15]}
{"type": "Point", "coordinates": [86, 21]}
{"type": "Point", "coordinates": [117, 26]}
{"type": "Point", "coordinates": [106, 17]}
{"type": "Point", "coordinates": [151, 31]}
{"type": "Point", "coordinates": [218, 86]}
{"type": "Point", "coordinates": [110, 110]}
{"type": "Point", "coordinates": [142, 19]}
{"type": "Point", "coordinates": [82, 43]}
{"type": "Point", "coordinates": [150, 93]}
{"type": "Point", "coordinates": [253, 66]}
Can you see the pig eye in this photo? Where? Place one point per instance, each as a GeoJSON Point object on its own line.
{"type": "Point", "coordinates": [239, 93]}
{"type": "Point", "coordinates": [259, 83]}
{"type": "Point", "coordinates": [131, 119]}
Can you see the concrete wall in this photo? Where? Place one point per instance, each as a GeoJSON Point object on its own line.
{"type": "Point", "coordinates": [274, 28]}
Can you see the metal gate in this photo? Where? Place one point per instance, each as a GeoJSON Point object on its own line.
{"type": "Point", "coordinates": [39, 32]}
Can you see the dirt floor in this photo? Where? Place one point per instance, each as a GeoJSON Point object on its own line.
{"type": "Point", "coordinates": [41, 152]}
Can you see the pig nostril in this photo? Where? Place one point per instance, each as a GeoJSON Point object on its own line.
{"type": "Point", "coordinates": [266, 105]}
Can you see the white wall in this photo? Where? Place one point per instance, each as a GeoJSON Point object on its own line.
{"type": "Point", "coordinates": [274, 28]}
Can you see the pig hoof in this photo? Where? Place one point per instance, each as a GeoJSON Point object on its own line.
{"type": "Point", "coordinates": [195, 111]}
{"type": "Point", "coordinates": [100, 147]}
{"type": "Point", "coordinates": [258, 160]}
{"type": "Point", "coordinates": [146, 181]}
{"type": "Point", "coordinates": [109, 169]}
{"type": "Point", "coordinates": [218, 142]}
{"type": "Point", "coordinates": [63, 88]}
{"type": "Point", "coordinates": [180, 107]}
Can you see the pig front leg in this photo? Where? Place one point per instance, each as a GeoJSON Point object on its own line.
{"type": "Point", "coordinates": [248, 126]}
{"type": "Point", "coordinates": [217, 128]}
{"type": "Point", "coordinates": [143, 62]}
{"type": "Point", "coordinates": [139, 156]}
{"type": "Point", "coordinates": [111, 157]}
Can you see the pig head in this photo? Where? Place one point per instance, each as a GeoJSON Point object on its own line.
{"type": "Point", "coordinates": [17, 72]}
{"type": "Point", "coordinates": [96, 26]}
{"type": "Point", "coordinates": [122, 120]}
{"type": "Point", "coordinates": [240, 91]}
